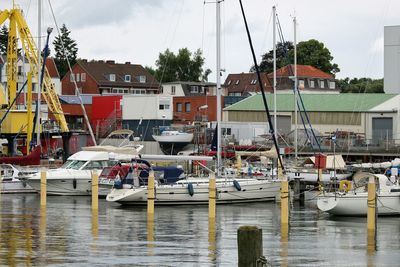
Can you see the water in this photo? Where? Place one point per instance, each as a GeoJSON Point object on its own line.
{"type": "Point", "coordinates": [67, 234]}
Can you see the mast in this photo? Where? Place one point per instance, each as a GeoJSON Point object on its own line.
{"type": "Point", "coordinates": [219, 108]}
{"type": "Point", "coordinates": [274, 55]}
{"type": "Point", "coordinates": [295, 90]}
{"type": "Point", "coordinates": [38, 116]}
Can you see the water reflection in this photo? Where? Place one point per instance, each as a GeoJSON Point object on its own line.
{"type": "Point", "coordinates": [68, 233]}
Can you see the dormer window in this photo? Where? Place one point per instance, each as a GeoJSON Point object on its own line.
{"type": "Point", "coordinates": [237, 82]}
{"type": "Point", "coordinates": [142, 79]}
{"type": "Point", "coordinates": [194, 89]}
{"type": "Point", "coordinates": [253, 81]}
{"type": "Point", "coordinates": [112, 78]}
{"type": "Point", "coordinates": [229, 82]}
{"type": "Point", "coordinates": [127, 78]}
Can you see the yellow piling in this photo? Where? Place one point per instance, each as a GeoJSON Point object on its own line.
{"type": "Point", "coordinates": [284, 196]}
{"type": "Point", "coordinates": [212, 197]}
{"type": "Point", "coordinates": [43, 187]}
{"type": "Point", "coordinates": [150, 194]}
{"type": "Point", "coordinates": [150, 233]}
{"type": "Point", "coordinates": [95, 190]}
{"type": "Point", "coordinates": [238, 164]}
{"type": "Point", "coordinates": [371, 214]}
{"type": "Point", "coordinates": [320, 186]}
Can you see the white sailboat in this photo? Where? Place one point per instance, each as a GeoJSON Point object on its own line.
{"type": "Point", "coordinates": [354, 201]}
{"type": "Point", "coordinates": [194, 190]}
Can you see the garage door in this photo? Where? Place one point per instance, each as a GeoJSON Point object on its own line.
{"type": "Point", "coordinates": [382, 129]}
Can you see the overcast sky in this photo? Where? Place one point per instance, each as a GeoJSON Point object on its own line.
{"type": "Point", "coordinates": [138, 30]}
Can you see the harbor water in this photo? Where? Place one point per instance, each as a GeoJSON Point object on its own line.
{"type": "Point", "coordinates": [67, 233]}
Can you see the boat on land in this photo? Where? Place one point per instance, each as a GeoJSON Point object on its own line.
{"type": "Point", "coordinates": [179, 189]}
{"type": "Point", "coordinates": [352, 197]}
{"type": "Point", "coordinates": [171, 140]}
{"type": "Point", "coordinates": [11, 179]}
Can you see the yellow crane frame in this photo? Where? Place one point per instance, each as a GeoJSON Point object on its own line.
{"type": "Point", "coordinates": [19, 25]}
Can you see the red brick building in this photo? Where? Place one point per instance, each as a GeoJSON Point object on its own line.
{"type": "Point", "coordinates": [108, 77]}
{"type": "Point", "coordinates": [195, 108]}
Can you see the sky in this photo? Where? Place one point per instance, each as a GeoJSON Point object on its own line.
{"type": "Point", "coordinates": [138, 30]}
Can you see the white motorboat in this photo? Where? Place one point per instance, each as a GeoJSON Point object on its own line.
{"type": "Point", "coordinates": [171, 140]}
{"type": "Point", "coordinates": [335, 170]}
{"type": "Point", "coordinates": [353, 202]}
{"type": "Point", "coordinates": [74, 177]}
{"type": "Point", "coordinates": [11, 182]}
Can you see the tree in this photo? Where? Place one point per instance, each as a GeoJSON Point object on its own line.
{"type": "Point", "coordinates": [282, 59]}
{"type": "Point", "coordinates": [361, 85]}
{"type": "Point", "coordinates": [311, 52]}
{"type": "Point", "coordinates": [3, 40]}
{"type": "Point", "coordinates": [62, 55]}
{"type": "Point", "coordinates": [183, 66]}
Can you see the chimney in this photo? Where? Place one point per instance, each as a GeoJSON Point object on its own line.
{"type": "Point", "coordinates": [128, 63]}
{"type": "Point", "coordinates": [110, 61]}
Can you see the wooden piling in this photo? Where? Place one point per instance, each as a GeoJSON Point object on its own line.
{"type": "Point", "coordinates": [371, 213]}
{"type": "Point", "coordinates": [284, 202]}
{"type": "Point", "coordinates": [150, 194]}
{"type": "Point", "coordinates": [43, 187]}
{"type": "Point", "coordinates": [250, 248]}
{"type": "Point", "coordinates": [212, 197]}
{"type": "Point", "coordinates": [95, 190]}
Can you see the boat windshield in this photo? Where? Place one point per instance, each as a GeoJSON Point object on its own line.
{"type": "Point", "coordinates": [74, 164]}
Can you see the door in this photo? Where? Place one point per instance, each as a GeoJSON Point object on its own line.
{"type": "Point", "coordinates": [382, 130]}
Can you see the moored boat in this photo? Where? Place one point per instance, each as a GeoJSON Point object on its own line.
{"type": "Point", "coordinates": [354, 201]}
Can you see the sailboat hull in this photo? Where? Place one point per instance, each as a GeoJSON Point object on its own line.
{"type": "Point", "coordinates": [179, 194]}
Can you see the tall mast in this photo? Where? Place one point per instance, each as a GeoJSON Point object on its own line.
{"type": "Point", "coordinates": [295, 89]}
{"type": "Point", "coordinates": [219, 108]}
{"type": "Point", "coordinates": [38, 115]}
{"type": "Point", "coordinates": [274, 55]}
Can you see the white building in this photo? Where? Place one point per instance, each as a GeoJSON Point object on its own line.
{"type": "Point", "coordinates": [392, 59]}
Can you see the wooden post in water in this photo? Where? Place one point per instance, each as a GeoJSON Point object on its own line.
{"type": "Point", "coordinates": [284, 196]}
{"type": "Point", "coordinates": [95, 190]}
{"type": "Point", "coordinates": [371, 217]}
{"type": "Point", "coordinates": [212, 197]}
{"type": "Point", "coordinates": [250, 248]}
{"type": "Point", "coordinates": [150, 194]}
{"type": "Point", "coordinates": [43, 187]}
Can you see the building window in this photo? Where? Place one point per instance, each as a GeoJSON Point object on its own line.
{"type": "Point", "coordinates": [254, 81]}
{"type": "Point", "coordinates": [163, 106]}
{"type": "Point", "coordinates": [71, 77]}
{"type": "Point", "coordinates": [19, 70]}
{"type": "Point", "coordinates": [112, 77]}
{"type": "Point", "coordinates": [321, 84]}
{"type": "Point", "coordinates": [78, 77]}
{"type": "Point", "coordinates": [173, 89]}
{"type": "Point", "coordinates": [194, 89]}
{"type": "Point", "coordinates": [187, 106]}
{"type": "Point", "coordinates": [127, 78]}
{"type": "Point", "coordinates": [142, 79]}
{"type": "Point", "coordinates": [83, 77]}
{"type": "Point", "coordinates": [229, 82]}
{"type": "Point", "coordinates": [237, 82]}
{"type": "Point", "coordinates": [179, 107]}
{"type": "Point", "coordinates": [312, 85]}
{"type": "Point", "coordinates": [331, 85]}
{"type": "Point", "coordinates": [301, 84]}
{"type": "Point", "coordinates": [226, 131]}
{"type": "Point", "coordinates": [161, 90]}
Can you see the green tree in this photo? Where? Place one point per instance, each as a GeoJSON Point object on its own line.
{"type": "Point", "coordinates": [3, 40]}
{"type": "Point", "coordinates": [184, 66]}
{"type": "Point", "coordinates": [62, 55]}
{"type": "Point", "coordinates": [282, 59]}
{"type": "Point", "coordinates": [360, 85]}
{"type": "Point", "coordinates": [311, 52]}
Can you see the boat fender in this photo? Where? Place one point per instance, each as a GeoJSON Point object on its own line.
{"type": "Point", "coordinates": [237, 185]}
{"type": "Point", "coordinates": [118, 184]}
{"type": "Point", "coordinates": [74, 183]}
{"type": "Point", "coordinates": [190, 189]}
{"type": "Point", "coordinates": [345, 185]}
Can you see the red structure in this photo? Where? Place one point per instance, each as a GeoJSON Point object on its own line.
{"type": "Point", "coordinates": [195, 108]}
{"type": "Point", "coordinates": [106, 114]}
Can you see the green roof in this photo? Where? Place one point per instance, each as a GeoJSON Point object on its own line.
{"type": "Point", "coordinates": [314, 102]}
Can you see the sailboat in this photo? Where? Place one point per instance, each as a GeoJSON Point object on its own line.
{"type": "Point", "coordinates": [195, 190]}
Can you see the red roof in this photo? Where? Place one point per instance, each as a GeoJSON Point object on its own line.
{"type": "Point", "coordinates": [52, 68]}
{"type": "Point", "coordinates": [302, 71]}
